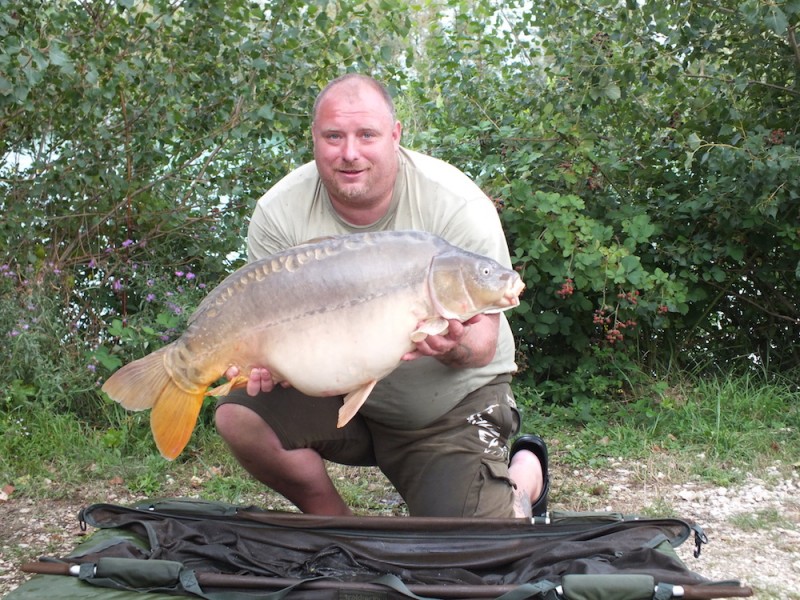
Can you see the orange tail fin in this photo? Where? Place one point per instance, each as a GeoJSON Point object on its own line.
{"type": "Point", "coordinates": [138, 385]}
{"type": "Point", "coordinates": [173, 418]}
{"type": "Point", "coordinates": [146, 383]}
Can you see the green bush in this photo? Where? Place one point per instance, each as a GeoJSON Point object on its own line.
{"type": "Point", "coordinates": [643, 159]}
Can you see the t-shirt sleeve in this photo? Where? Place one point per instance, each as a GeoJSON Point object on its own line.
{"type": "Point", "coordinates": [281, 215]}
{"type": "Point", "coordinates": [476, 227]}
{"type": "Point", "coordinates": [266, 234]}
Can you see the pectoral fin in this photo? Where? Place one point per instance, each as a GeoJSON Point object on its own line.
{"type": "Point", "coordinates": [239, 381]}
{"type": "Point", "coordinates": [433, 326]}
{"type": "Point", "coordinates": [353, 401]}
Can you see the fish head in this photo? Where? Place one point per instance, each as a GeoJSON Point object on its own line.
{"type": "Point", "coordinates": [462, 284]}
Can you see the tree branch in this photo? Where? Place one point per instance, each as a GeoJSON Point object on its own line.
{"type": "Point", "coordinates": [793, 43]}
{"type": "Point", "coordinates": [749, 82]}
{"type": "Point", "coordinates": [728, 290]}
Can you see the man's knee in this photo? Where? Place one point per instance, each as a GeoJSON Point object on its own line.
{"type": "Point", "coordinates": [231, 420]}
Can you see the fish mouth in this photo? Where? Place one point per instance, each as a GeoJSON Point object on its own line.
{"type": "Point", "coordinates": [518, 286]}
{"type": "Point", "coordinates": [510, 298]}
{"type": "Point", "coordinates": [512, 294]}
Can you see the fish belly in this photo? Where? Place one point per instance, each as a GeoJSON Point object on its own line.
{"type": "Point", "coordinates": [335, 353]}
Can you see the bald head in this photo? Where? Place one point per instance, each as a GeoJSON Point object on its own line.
{"type": "Point", "coordinates": [349, 85]}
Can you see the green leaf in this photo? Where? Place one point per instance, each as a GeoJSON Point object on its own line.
{"type": "Point", "coordinates": [613, 92]}
{"type": "Point", "coordinates": [266, 112]}
{"type": "Point", "coordinates": [21, 93]}
{"type": "Point", "coordinates": [58, 58]}
{"type": "Point", "coordinates": [116, 328]}
{"type": "Point", "coordinates": [548, 317]}
{"type": "Point", "coordinates": [776, 20]}
{"type": "Point", "coordinates": [736, 252]}
{"type": "Point", "coordinates": [110, 362]}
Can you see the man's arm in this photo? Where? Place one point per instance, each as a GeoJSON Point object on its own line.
{"type": "Point", "coordinates": [465, 345]}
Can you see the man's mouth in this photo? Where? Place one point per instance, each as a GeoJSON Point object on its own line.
{"type": "Point", "coordinates": [350, 173]}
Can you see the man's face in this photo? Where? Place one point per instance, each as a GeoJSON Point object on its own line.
{"type": "Point", "coordinates": [355, 146]}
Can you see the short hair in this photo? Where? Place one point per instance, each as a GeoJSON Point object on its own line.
{"type": "Point", "coordinates": [373, 83]}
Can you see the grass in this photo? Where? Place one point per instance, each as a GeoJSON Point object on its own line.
{"type": "Point", "coordinates": [714, 429]}
{"type": "Point", "coordinates": [769, 518]}
{"type": "Point", "coordinates": [720, 427]}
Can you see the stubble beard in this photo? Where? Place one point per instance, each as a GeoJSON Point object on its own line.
{"type": "Point", "coordinates": [353, 191]}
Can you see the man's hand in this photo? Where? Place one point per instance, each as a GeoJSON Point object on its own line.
{"type": "Point", "coordinates": [472, 343]}
{"type": "Point", "coordinates": [260, 380]}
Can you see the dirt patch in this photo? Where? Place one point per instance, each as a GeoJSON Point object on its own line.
{"type": "Point", "coordinates": [753, 527]}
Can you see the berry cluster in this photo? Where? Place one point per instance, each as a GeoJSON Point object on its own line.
{"type": "Point", "coordinates": [567, 289]}
{"type": "Point", "coordinates": [632, 297]}
{"type": "Point", "coordinates": [776, 137]}
{"type": "Point", "coordinates": [613, 326]}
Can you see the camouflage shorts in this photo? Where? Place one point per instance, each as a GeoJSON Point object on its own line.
{"type": "Point", "coordinates": [457, 466]}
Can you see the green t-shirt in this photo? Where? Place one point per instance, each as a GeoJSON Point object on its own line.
{"type": "Point", "coordinates": [429, 195]}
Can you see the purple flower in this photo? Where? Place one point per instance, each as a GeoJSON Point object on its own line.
{"type": "Point", "coordinates": [92, 264]}
{"type": "Point", "coordinates": [150, 297]}
{"type": "Point", "coordinates": [91, 368]}
{"type": "Point", "coordinates": [178, 273]}
{"type": "Point", "coordinates": [127, 243]}
{"type": "Point", "coordinates": [190, 276]}
{"type": "Point", "coordinates": [201, 286]}
{"type": "Point", "coordinates": [117, 285]}
{"type": "Point", "coordinates": [150, 283]}
{"type": "Point", "coordinates": [13, 333]}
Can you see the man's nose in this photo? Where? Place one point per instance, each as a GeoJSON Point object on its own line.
{"type": "Point", "coordinates": [350, 149]}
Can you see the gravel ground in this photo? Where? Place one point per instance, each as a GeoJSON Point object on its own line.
{"type": "Point", "coordinates": [753, 527]}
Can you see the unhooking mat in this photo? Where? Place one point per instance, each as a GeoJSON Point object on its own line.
{"type": "Point", "coordinates": [223, 552]}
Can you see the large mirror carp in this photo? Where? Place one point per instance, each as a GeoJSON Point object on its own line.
{"type": "Point", "coordinates": [330, 317]}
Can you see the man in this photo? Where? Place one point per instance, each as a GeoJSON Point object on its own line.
{"type": "Point", "coordinates": [439, 426]}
